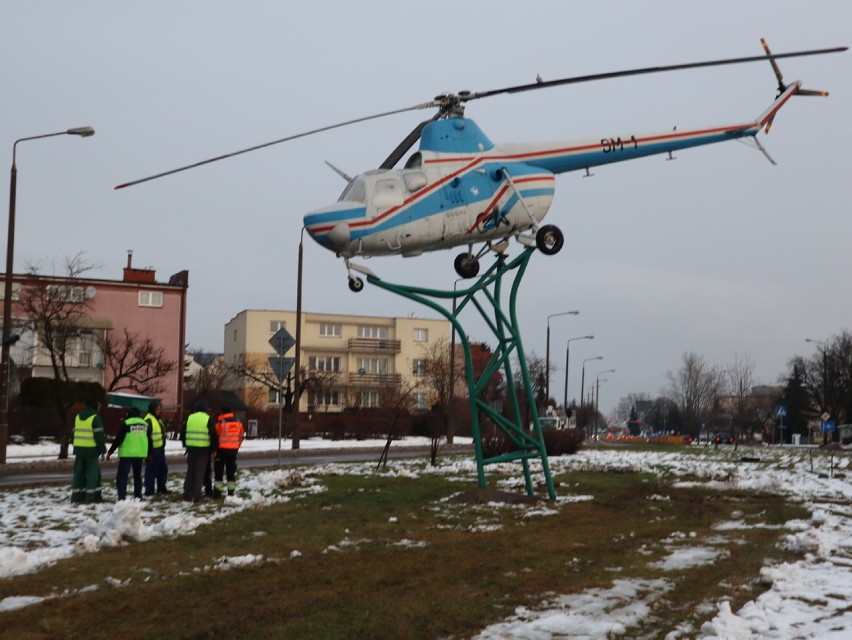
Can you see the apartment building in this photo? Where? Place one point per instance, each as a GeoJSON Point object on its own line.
{"type": "Point", "coordinates": [137, 303]}
{"type": "Point", "coordinates": [347, 360]}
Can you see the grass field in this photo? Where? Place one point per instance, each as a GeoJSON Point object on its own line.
{"type": "Point", "coordinates": [389, 556]}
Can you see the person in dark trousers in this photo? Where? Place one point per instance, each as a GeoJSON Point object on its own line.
{"type": "Point", "coordinates": [89, 446]}
{"type": "Point", "coordinates": [133, 444]}
{"type": "Point", "coordinates": [156, 470]}
{"type": "Point", "coordinates": [199, 437]}
{"type": "Point", "coordinates": [231, 435]}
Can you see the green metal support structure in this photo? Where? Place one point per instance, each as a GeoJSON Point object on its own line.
{"type": "Point", "coordinates": [485, 294]}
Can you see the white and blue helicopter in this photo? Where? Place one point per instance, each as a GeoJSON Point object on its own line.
{"type": "Point", "coordinates": [461, 189]}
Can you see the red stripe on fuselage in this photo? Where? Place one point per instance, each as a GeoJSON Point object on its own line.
{"type": "Point", "coordinates": [420, 194]}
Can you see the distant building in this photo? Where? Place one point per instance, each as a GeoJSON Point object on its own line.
{"type": "Point", "coordinates": [137, 302]}
{"type": "Point", "coordinates": [348, 360]}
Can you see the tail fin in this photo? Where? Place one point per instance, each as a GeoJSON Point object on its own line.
{"type": "Point", "coordinates": [768, 116]}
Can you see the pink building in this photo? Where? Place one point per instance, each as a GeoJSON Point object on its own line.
{"type": "Point", "coordinates": [137, 304]}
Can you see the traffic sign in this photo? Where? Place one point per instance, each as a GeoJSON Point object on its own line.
{"type": "Point", "coordinates": [282, 341]}
{"type": "Point", "coordinates": [781, 411]}
{"type": "Point", "coordinates": [281, 366]}
{"type": "Point", "coordinates": [828, 426]}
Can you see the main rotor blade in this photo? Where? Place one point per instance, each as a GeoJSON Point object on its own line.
{"type": "Point", "coordinates": [406, 144]}
{"type": "Point", "coordinates": [425, 105]}
{"type": "Point", "coordinates": [645, 70]}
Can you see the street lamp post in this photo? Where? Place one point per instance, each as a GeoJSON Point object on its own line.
{"type": "Point", "coordinates": [451, 423]}
{"type": "Point", "coordinates": [567, 357]}
{"type": "Point", "coordinates": [83, 132]}
{"type": "Point", "coordinates": [297, 364]}
{"type": "Point", "coordinates": [583, 378]}
{"type": "Point", "coordinates": [598, 395]}
{"type": "Point", "coordinates": [547, 356]}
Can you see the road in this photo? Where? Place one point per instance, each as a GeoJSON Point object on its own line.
{"type": "Point", "coordinates": [61, 471]}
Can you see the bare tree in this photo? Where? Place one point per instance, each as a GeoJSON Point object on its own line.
{"type": "Point", "coordinates": [263, 377]}
{"type": "Point", "coordinates": [259, 374]}
{"type": "Point", "coordinates": [399, 398]}
{"type": "Point", "coordinates": [696, 388]}
{"type": "Point", "coordinates": [740, 380]}
{"type": "Point", "coordinates": [435, 375]}
{"type": "Point", "coordinates": [58, 310]}
{"type": "Point", "coordinates": [212, 374]}
{"type": "Point", "coordinates": [136, 363]}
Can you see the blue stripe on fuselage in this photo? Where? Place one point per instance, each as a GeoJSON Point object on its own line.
{"type": "Point", "coordinates": [331, 217]}
{"type": "Point", "coordinates": [573, 161]}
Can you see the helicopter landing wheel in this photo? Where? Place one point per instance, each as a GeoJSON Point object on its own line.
{"type": "Point", "coordinates": [549, 239]}
{"type": "Point", "coordinates": [356, 284]}
{"type": "Point", "coordinates": [466, 265]}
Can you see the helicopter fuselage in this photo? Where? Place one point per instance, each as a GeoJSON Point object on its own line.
{"type": "Point", "coordinates": [461, 189]}
{"type": "Point", "coordinates": [453, 191]}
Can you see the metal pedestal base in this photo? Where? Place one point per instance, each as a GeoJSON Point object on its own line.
{"type": "Point", "coordinates": [485, 296]}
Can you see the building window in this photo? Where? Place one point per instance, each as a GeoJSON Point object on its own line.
{"type": "Point", "coordinates": [63, 293]}
{"type": "Point", "coordinates": [421, 335]}
{"type": "Point", "coordinates": [328, 330]}
{"type": "Point", "coordinates": [16, 291]}
{"type": "Point", "coordinates": [85, 344]}
{"type": "Point", "coordinates": [276, 325]}
{"type": "Point", "coordinates": [372, 365]}
{"type": "Point", "coordinates": [421, 400]}
{"type": "Point", "coordinates": [328, 398]}
{"type": "Point", "coordinates": [150, 298]}
{"type": "Point", "coordinates": [372, 331]}
{"type": "Point", "coordinates": [419, 366]}
{"type": "Point", "coordinates": [274, 396]}
{"type": "Point", "coordinates": [324, 363]}
{"type": "Point", "coordinates": [369, 398]}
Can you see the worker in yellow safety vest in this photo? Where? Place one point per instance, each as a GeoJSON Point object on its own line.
{"type": "Point", "coordinates": [89, 447]}
{"type": "Point", "coordinates": [133, 443]}
{"type": "Point", "coordinates": [199, 437]}
{"type": "Point", "coordinates": [156, 469]}
{"type": "Point", "coordinates": [231, 435]}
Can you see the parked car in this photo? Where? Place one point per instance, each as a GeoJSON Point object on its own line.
{"type": "Point", "coordinates": [551, 422]}
{"type": "Point", "coordinates": [723, 437]}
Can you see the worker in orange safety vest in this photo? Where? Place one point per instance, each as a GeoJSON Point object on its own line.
{"type": "Point", "coordinates": [231, 435]}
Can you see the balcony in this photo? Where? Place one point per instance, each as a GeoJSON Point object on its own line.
{"type": "Point", "coordinates": [374, 379]}
{"type": "Point", "coordinates": [73, 359]}
{"type": "Point", "coordinates": [373, 345]}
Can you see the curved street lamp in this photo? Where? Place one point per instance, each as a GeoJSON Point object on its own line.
{"type": "Point", "coordinates": [567, 356]}
{"type": "Point", "coordinates": [583, 378]}
{"type": "Point", "coordinates": [83, 132]}
{"type": "Point", "coordinates": [598, 381]}
{"type": "Point", "coordinates": [547, 356]}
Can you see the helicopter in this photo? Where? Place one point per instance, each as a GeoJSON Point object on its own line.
{"type": "Point", "coordinates": [460, 189]}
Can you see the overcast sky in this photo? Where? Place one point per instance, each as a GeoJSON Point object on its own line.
{"type": "Point", "coordinates": [717, 252]}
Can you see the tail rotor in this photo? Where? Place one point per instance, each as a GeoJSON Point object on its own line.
{"type": "Point", "coordinates": [782, 87]}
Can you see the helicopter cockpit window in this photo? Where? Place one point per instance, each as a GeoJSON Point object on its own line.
{"type": "Point", "coordinates": [387, 193]}
{"type": "Point", "coordinates": [414, 180]}
{"type": "Point", "coordinates": [354, 191]}
{"type": "Point", "coordinates": [416, 160]}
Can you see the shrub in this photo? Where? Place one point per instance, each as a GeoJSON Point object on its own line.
{"type": "Point", "coordinates": [557, 442]}
{"type": "Point", "coordinates": [563, 442]}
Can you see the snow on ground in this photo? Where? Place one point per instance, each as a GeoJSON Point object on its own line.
{"type": "Point", "coordinates": [805, 599]}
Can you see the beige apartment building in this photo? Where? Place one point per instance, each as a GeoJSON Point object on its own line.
{"type": "Point", "coordinates": [348, 360]}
